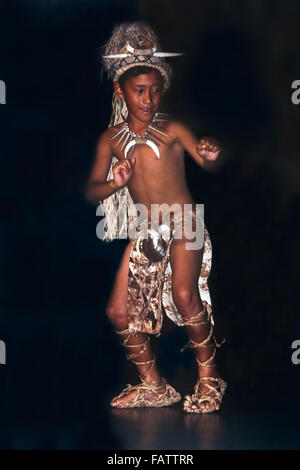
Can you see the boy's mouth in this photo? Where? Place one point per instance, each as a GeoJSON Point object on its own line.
{"type": "Point", "coordinates": [147, 110]}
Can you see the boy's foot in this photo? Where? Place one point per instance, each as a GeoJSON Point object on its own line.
{"type": "Point", "coordinates": [127, 396]}
{"type": "Point", "coordinates": [209, 392]}
{"type": "Point", "coordinates": [154, 394]}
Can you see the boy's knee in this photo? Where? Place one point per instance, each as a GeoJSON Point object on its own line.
{"type": "Point", "coordinates": [116, 314]}
{"type": "Point", "coordinates": [185, 297]}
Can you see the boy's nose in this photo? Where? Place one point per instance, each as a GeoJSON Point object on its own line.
{"type": "Point", "coordinates": [147, 97]}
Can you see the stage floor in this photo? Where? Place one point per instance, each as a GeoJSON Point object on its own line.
{"type": "Point", "coordinates": [272, 424]}
{"type": "Point", "coordinates": [172, 428]}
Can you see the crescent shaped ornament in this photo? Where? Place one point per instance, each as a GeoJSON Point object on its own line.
{"type": "Point", "coordinates": [128, 147]}
{"type": "Point", "coordinates": [153, 146]}
{"type": "Point", "coordinates": [148, 142]}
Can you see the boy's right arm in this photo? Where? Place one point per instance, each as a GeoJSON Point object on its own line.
{"type": "Point", "coordinates": [98, 188]}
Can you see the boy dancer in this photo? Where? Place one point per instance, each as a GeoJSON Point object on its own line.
{"type": "Point", "coordinates": [140, 164]}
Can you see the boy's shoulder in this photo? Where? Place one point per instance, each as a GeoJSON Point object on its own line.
{"type": "Point", "coordinates": [110, 131]}
{"type": "Point", "coordinates": [173, 123]}
{"type": "Point", "coordinates": [174, 127]}
{"type": "Point", "coordinates": [105, 137]}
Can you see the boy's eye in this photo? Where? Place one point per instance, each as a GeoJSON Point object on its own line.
{"type": "Point", "coordinates": [139, 91]}
{"type": "Point", "coordinates": [156, 90]}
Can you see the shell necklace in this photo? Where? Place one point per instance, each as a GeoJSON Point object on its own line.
{"type": "Point", "coordinates": [129, 139]}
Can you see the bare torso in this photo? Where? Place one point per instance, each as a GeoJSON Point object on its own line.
{"type": "Point", "coordinates": [157, 181]}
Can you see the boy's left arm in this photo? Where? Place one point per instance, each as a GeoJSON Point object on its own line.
{"type": "Point", "coordinates": [203, 151]}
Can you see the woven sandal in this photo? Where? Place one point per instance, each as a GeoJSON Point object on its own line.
{"type": "Point", "coordinates": [215, 392]}
{"type": "Point", "coordinates": [164, 394]}
{"type": "Point", "coordinates": [214, 396]}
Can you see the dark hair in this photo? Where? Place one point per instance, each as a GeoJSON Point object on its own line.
{"type": "Point", "coordinates": [135, 71]}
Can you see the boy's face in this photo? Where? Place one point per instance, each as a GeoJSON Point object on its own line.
{"type": "Point", "coordinates": [142, 95]}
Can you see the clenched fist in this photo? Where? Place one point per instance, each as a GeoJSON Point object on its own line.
{"type": "Point", "coordinates": [208, 148]}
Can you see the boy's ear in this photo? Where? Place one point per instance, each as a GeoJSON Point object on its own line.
{"type": "Point", "coordinates": [118, 90]}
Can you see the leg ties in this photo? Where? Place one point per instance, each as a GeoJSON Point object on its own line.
{"type": "Point", "coordinates": [132, 356]}
{"type": "Point", "coordinates": [156, 393]}
{"type": "Point", "coordinates": [203, 317]}
{"type": "Point", "coordinates": [209, 391]}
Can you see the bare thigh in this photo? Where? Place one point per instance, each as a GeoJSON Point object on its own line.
{"type": "Point", "coordinates": [186, 268]}
{"type": "Point", "coordinates": [186, 264]}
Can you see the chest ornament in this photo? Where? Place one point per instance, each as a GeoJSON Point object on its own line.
{"type": "Point", "coordinates": [151, 137]}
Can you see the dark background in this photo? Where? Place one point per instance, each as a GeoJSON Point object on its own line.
{"type": "Point", "coordinates": [63, 359]}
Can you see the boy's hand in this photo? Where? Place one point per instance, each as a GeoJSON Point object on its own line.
{"type": "Point", "coordinates": [208, 148]}
{"type": "Point", "coordinates": [123, 171]}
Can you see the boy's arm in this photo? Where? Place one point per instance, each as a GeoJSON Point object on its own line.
{"type": "Point", "coordinates": [98, 188]}
{"type": "Point", "coordinates": [204, 151]}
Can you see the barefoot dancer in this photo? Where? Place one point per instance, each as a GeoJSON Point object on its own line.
{"type": "Point", "coordinates": [140, 160]}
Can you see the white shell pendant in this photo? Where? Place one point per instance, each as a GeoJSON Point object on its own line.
{"type": "Point", "coordinates": [148, 142]}
{"type": "Point", "coordinates": [129, 139]}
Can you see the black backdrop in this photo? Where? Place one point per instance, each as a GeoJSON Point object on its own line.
{"type": "Point", "coordinates": [63, 359]}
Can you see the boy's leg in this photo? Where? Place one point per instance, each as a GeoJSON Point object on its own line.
{"type": "Point", "coordinates": [137, 345]}
{"type": "Point", "coordinates": [117, 313]}
{"type": "Point", "coordinates": [186, 266]}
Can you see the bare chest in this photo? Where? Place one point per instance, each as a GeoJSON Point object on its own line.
{"type": "Point", "coordinates": [159, 161]}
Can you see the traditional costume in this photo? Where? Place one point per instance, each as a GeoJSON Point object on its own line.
{"type": "Point", "coordinates": [150, 272]}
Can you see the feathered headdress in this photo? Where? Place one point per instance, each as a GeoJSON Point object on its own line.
{"type": "Point", "coordinates": [134, 44]}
